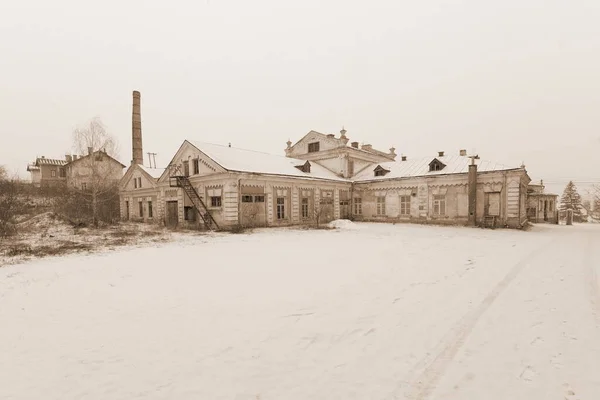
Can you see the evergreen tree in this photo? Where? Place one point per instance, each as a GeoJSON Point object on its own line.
{"type": "Point", "coordinates": [571, 200]}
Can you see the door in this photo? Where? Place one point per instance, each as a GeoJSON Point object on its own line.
{"type": "Point", "coordinates": [172, 213]}
{"type": "Point", "coordinates": [345, 209]}
{"type": "Point", "coordinates": [127, 210]}
{"type": "Point", "coordinates": [492, 204]}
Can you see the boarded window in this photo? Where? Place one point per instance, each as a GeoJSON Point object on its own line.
{"type": "Point", "coordinates": [381, 205]}
{"type": "Point", "coordinates": [404, 205]}
{"type": "Point", "coordinates": [189, 213]}
{"type": "Point", "coordinates": [63, 173]}
{"type": "Point", "coordinates": [350, 167]}
{"type": "Point", "coordinates": [439, 205]}
{"type": "Point", "coordinates": [493, 204]}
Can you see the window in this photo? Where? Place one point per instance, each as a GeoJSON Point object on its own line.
{"type": "Point", "coordinates": [357, 206]}
{"type": "Point", "coordinates": [53, 173]}
{"type": "Point", "coordinates": [381, 205]}
{"type": "Point", "coordinates": [84, 186]}
{"type": "Point", "coordinates": [215, 201]}
{"type": "Point", "coordinates": [126, 209]}
{"type": "Point", "coordinates": [137, 183]}
{"type": "Point", "coordinates": [189, 213]}
{"type": "Point", "coordinates": [436, 165]}
{"type": "Point", "coordinates": [247, 198]}
{"type": "Point", "coordinates": [141, 209]}
{"type": "Point", "coordinates": [186, 168]}
{"type": "Point", "coordinates": [313, 147]}
{"type": "Point", "coordinates": [305, 203]}
{"type": "Point", "coordinates": [196, 165]}
{"type": "Point", "coordinates": [214, 195]}
{"type": "Point", "coordinates": [551, 206]}
{"type": "Point", "coordinates": [280, 207]}
{"type": "Point", "coordinates": [350, 167]}
{"type": "Point", "coordinates": [404, 205]}
{"type": "Point", "coordinates": [259, 198]}
{"type": "Point", "coordinates": [439, 204]}
{"type": "Point", "coordinates": [150, 214]}
{"type": "Point", "coordinates": [380, 171]}
{"type": "Point", "coordinates": [62, 172]}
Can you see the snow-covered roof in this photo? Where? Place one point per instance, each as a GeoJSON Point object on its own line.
{"type": "Point", "coordinates": [49, 161]}
{"type": "Point", "coordinates": [236, 159]}
{"type": "Point", "coordinates": [153, 172]}
{"type": "Point", "coordinates": [420, 167]}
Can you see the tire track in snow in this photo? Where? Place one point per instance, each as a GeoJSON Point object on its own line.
{"type": "Point", "coordinates": [425, 383]}
{"type": "Point", "coordinates": [592, 278]}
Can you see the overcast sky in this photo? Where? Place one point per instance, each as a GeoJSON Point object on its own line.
{"type": "Point", "coordinates": [513, 80]}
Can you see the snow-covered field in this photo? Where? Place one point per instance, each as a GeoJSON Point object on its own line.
{"type": "Point", "coordinates": [367, 311]}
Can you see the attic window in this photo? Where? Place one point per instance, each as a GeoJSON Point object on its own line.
{"type": "Point", "coordinates": [304, 167]}
{"type": "Point", "coordinates": [380, 171]}
{"type": "Point", "coordinates": [313, 147]}
{"type": "Point", "coordinates": [436, 165]}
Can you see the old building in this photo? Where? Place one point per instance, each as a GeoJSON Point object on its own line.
{"type": "Point", "coordinates": [541, 206]}
{"type": "Point", "coordinates": [48, 172]}
{"type": "Point", "coordinates": [75, 170]}
{"type": "Point", "coordinates": [96, 168]}
{"type": "Point", "coordinates": [320, 178]}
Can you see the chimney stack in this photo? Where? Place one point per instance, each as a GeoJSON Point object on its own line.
{"type": "Point", "coordinates": [136, 130]}
{"type": "Point", "coordinates": [90, 150]}
{"type": "Point", "coordinates": [68, 158]}
{"type": "Point", "coordinates": [354, 145]}
{"type": "Point", "coordinates": [403, 158]}
{"type": "Point", "coordinates": [463, 153]}
{"type": "Point", "coordinates": [367, 147]}
{"type": "Point", "coordinates": [75, 157]}
{"type": "Point", "coordinates": [440, 154]}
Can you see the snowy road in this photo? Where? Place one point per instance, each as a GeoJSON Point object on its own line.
{"type": "Point", "coordinates": [380, 312]}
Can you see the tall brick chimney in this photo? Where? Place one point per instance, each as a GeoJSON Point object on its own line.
{"type": "Point", "coordinates": [136, 131]}
{"type": "Point", "coordinates": [472, 191]}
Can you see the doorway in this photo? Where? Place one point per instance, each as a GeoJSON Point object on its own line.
{"type": "Point", "coordinates": [172, 213]}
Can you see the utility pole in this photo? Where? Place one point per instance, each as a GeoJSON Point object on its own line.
{"type": "Point", "coordinates": [150, 159]}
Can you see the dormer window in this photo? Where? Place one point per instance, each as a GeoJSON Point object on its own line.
{"type": "Point", "coordinates": [436, 165]}
{"type": "Point", "coordinates": [304, 167]}
{"type": "Point", "coordinates": [380, 171]}
{"type": "Point", "coordinates": [313, 147]}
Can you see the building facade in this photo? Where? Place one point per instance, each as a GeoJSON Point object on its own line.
{"type": "Point", "coordinates": [320, 178]}
{"type": "Point", "coordinates": [542, 207]}
{"type": "Point", "coordinates": [48, 172]}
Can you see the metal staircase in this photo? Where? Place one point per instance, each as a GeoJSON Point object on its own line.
{"type": "Point", "coordinates": [176, 179]}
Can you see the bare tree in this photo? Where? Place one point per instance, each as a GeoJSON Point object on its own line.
{"type": "Point", "coordinates": [12, 202]}
{"type": "Point", "coordinates": [91, 177]}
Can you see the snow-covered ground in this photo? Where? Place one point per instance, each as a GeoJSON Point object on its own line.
{"type": "Point", "coordinates": [366, 311]}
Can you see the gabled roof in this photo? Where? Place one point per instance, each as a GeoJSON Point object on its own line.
{"type": "Point", "coordinates": [241, 160]}
{"type": "Point", "coordinates": [97, 152]}
{"type": "Point", "coordinates": [49, 161]}
{"type": "Point", "coordinates": [154, 173]}
{"type": "Point", "coordinates": [420, 167]}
